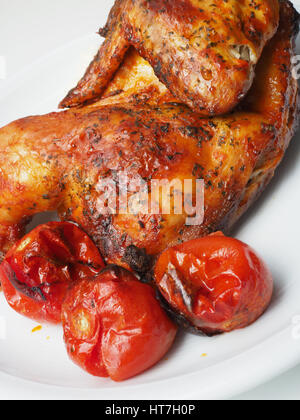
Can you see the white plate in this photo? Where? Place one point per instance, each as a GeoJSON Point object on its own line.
{"type": "Point", "coordinates": [36, 365]}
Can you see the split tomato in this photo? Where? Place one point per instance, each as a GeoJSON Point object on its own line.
{"type": "Point", "coordinates": [214, 284]}
{"type": "Point", "coordinates": [114, 326]}
{"type": "Point", "coordinates": [38, 270]}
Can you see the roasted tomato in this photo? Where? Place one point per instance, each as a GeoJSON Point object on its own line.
{"type": "Point", "coordinates": [114, 326]}
{"type": "Point", "coordinates": [37, 271]}
{"type": "Point", "coordinates": [214, 284]}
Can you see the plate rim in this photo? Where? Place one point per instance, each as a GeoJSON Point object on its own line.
{"type": "Point", "coordinates": [285, 350]}
{"type": "Point", "coordinates": [241, 379]}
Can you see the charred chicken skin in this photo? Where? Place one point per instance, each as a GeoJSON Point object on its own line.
{"type": "Point", "coordinates": [56, 162]}
{"type": "Point", "coordinates": [204, 52]}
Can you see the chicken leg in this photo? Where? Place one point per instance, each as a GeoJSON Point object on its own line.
{"type": "Point", "coordinates": [58, 161]}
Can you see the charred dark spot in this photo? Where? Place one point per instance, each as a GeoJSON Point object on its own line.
{"type": "Point", "coordinates": [137, 259]}
{"type": "Point", "coordinates": [142, 224]}
{"type": "Point", "coordinates": [165, 128]}
{"type": "Point", "coordinates": [177, 317]}
{"type": "Point", "coordinates": [147, 278]}
{"type": "Point", "coordinates": [34, 293]}
{"type": "Point", "coordinates": [104, 31]}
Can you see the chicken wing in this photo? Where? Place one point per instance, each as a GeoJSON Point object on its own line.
{"type": "Point", "coordinates": [204, 52]}
{"type": "Point", "coordinates": [58, 161]}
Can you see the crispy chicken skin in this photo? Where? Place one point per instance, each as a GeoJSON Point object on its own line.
{"type": "Point", "coordinates": [57, 161]}
{"type": "Point", "coordinates": [204, 52]}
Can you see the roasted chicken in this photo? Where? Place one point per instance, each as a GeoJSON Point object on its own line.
{"type": "Point", "coordinates": [58, 161]}
{"type": "Point", "coordinates": [204, 52]}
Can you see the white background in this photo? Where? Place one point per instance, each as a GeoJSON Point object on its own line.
{"type": "Point", "coordinates": [41, 27]}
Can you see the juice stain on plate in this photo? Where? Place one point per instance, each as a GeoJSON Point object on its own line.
{"type": "Point", "coordinates": [38, 328]}
{"type": "Point", "coordinates": [204, 355]}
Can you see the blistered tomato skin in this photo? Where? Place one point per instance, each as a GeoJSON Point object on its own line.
{"type": "Point", "coordinates": [38, 270]}
{"type": "Point", "coordinates": [214, 284]}
{"type": "Point", "coordinates": [114, 326]}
